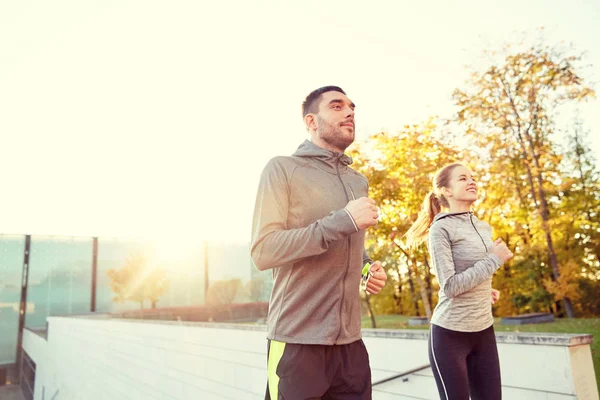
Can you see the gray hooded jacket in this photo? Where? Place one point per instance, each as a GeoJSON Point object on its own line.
{"type": "Point", "coordinates": [302, 232]}
{"type": "Point", "coordinates": [459, 246]}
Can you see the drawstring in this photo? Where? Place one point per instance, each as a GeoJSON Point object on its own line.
{"type": "Point", "coordinates": [474, 227]}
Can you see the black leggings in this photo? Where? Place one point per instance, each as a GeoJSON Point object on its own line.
{"type": "Point", "coordinates": [465, 364]}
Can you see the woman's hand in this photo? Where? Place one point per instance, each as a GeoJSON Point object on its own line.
{"type": "Point", "coordinates": [495, 296]}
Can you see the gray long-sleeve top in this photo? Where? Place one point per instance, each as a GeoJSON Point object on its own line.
{"type": "Point", "coordinates": [304, 234]}
{"type": "Point", "coordinates": [459, 246]}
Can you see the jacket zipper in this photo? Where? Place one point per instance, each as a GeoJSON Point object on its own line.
{"type": "Point", "coordinates": [337, 167]}
{"type": "Point", "coordinates": [351, 191]}
{"type": "Point", "coordinates": [474, 227]}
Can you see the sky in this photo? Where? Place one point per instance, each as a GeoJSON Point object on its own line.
{"type": "Point", "coordinates": [140, 118]}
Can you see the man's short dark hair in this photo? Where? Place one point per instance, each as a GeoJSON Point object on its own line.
{"type": "Point", "coordinates": [311, 103]}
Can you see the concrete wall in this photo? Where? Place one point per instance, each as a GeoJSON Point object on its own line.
{"type": "Point", "coordinates": [97, 359]}
{"type": "Point", "coordinates": [533, 365]}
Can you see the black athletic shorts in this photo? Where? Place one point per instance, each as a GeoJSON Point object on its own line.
{"type": "Point", "coordinates": [303, 371]}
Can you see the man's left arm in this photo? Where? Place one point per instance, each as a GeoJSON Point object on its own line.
{"type": "Point", "coordinates": [378, 276]}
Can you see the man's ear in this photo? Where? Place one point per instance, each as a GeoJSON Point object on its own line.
{"type": "Point", "coordinates": [310, 121]}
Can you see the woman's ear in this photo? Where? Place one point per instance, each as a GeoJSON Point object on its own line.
{"type": "Point", "coordinates": [446, 192]}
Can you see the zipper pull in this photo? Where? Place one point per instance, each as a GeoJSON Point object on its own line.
{"type": "Point", "coordinates": [351, 191]}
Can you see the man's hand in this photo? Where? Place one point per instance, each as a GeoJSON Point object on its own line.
{"type": "Point", "coordinates": [495, 296]}
{"type": "Point", "coordinates": [378, 278]}
{"type": "Point", "coordinates": [363, 211]}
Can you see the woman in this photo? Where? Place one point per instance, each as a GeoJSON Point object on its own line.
{"type": "Point", "coordinates": [462, 343]}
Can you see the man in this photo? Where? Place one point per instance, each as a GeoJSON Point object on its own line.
{"type": "Point", "coordinates": [309, 226]}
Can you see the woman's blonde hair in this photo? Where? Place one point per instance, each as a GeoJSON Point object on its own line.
{"type": "Point", "coordinates": [432, 205]}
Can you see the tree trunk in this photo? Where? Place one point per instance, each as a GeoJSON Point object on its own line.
{"type": "Point", "coordinates": [428, 286]}
{"type": "Point", "coordinates": [522, 202]}
{"type": "Point", "coordinates": [422, 291]}
{"type": "Point", "coordinates": [398, 297]}
{"type": "Point", "coordinates": [411, 285]}
{"type": "Point", "coordinates": [368, 301]}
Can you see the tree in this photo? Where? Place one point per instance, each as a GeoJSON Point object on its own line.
{"type": "Point", "coordinates": [508, 110]}
{"type": "Point", "coordinates": [581, 195]}
{"type": "Point", "coordinates": [579, 233]}
{"type": "Point", "coordinates": [136, 281]}
{"type": "Point", "coordinates": [255, 289]}
{"type": "Point", "coordinates": [155, 285]}
{"type": "Point", "coordinates": [543, 200]}
{"type": "Point", "coordinates": [400, 167]}
{"type": "Point", "coordinates": [223, 292]}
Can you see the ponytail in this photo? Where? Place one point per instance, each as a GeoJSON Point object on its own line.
{"type": "Point", "coordinates": [420, 228]}
{"type": "Point", "coordinates": [432, 205]}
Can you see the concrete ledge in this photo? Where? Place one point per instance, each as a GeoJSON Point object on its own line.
{"type": "Point", "coordinates": [417, 334]}
{"type": "Point", "coordinates": [533, 318]}
{"type": "Point", "coordinates": [43, 333]}
{"type": "Point", "coordinates": [547, 339]}
{"type": "Point", "coordinates": [213, 325]}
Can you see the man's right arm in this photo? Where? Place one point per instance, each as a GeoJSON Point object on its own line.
{"type": "Point", "coordinates": [273, 244]}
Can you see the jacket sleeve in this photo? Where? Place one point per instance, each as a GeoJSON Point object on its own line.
{"type": "Point", "coordinates": [451, 283]}
{"type": "Point", "coordinates": [273, 244]}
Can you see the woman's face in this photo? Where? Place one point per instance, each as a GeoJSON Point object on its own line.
{"type": "Point", "coordinates": [462, 186]}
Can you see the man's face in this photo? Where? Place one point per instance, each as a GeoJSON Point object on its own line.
{"type": "Point", "coordinates": [335, 120]}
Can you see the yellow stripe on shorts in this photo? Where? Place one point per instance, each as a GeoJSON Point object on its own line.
{"type": "Point", "coordinates": [275, 353]}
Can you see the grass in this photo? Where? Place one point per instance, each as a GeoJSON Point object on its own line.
{"type": "Point", "coordinates": [575, 325]}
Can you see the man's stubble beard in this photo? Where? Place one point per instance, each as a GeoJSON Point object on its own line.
{"type": "Point", "coordinates": [333, 135]}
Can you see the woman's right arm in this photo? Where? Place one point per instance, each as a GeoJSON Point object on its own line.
{"type": "Point", "coordinates": [452, 283]}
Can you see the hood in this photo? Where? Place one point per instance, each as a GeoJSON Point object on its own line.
{"type": "Point", "coordinates": [462, 215]}
{"type": "Point", "coordinates": [328, 158]}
